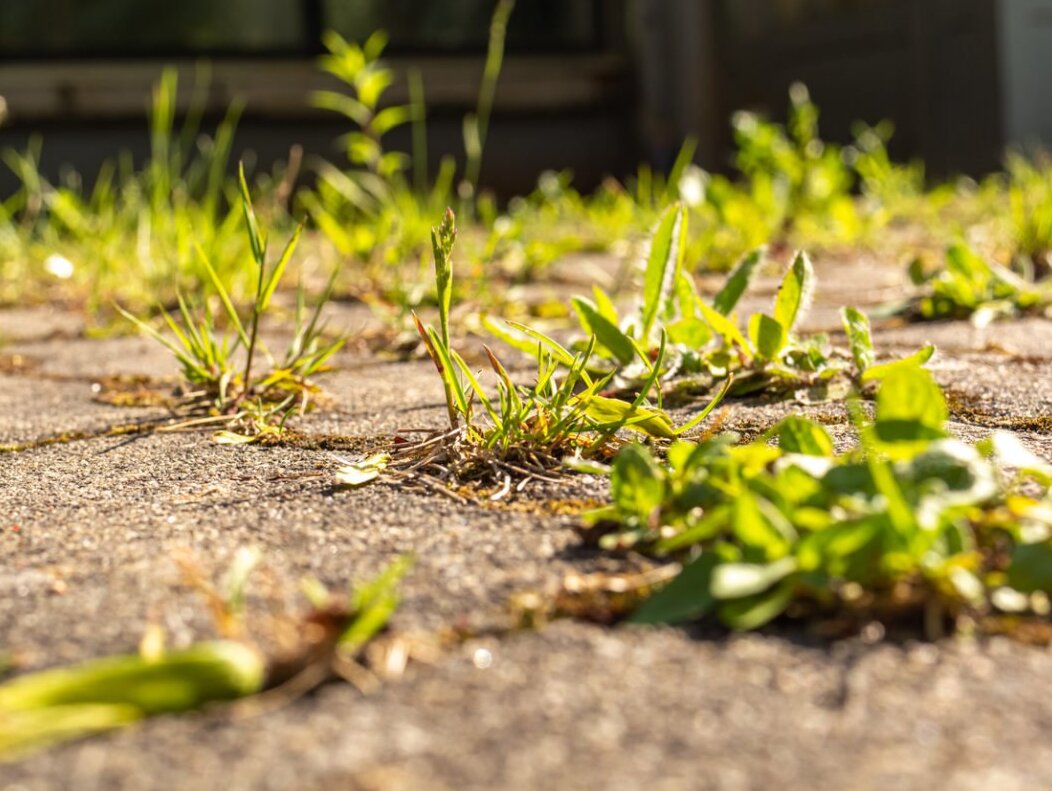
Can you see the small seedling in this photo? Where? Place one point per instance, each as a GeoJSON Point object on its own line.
{"type": "Point", "coordinates": [977, 289]}
{"type": "Point", "coordinates": [255, 402]}
{"type": "Point", "coordinates": [362, 71]}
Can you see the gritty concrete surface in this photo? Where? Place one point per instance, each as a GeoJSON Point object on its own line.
{"type": "Point", "coordinates": [91, 531]}
{"type": "Point", "coordinates": [579, 707]}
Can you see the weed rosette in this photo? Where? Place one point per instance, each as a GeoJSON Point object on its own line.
{"type": "Point", "coordinates": [911, 523]}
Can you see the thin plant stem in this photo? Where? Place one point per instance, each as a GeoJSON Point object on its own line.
{"type": "Point", "coordinates": [491, 73]}
{"type": "Point", "coordinates": [247, 384]}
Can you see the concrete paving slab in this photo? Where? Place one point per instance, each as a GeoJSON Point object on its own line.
{"type": "Point", "coordinates": [91, 531]}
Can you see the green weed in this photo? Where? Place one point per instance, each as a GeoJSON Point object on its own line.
{"type": "Point", "coordinates": [211, 358]}
{"type": "Point", "coordinates": [705, 344]}
{"type": "Point", "coordinates": [476, 125]}
{"type": "Point", "coordinates": [1030, 213]}
{"type": "Point", "coordinates": [970, 286]}
{"type": "Point", "coordinates": [524, 430]}
{"type": "Point", "coordinates": [132, 236]}
{"type": "Point", "coordinates": [893, 191]}
{"type": "Point", "coordinates": [910, 522]}
{"type": "Point", "coordinates": [370, 212]}
{"type": "Point", "coordinates": [360, 68]}
{"type": "Point", "coordinates": [44, 708]}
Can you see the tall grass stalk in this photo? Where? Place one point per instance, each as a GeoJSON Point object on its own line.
{"type": "Point", "coordinates": [476, 125]}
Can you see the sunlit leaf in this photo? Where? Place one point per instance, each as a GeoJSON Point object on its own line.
{"type": "Point", "coordinates": [800, 435]}
{"type": "Point", "coordinates": [606, 332]}
{"type": "Point", "coordinates": [637, 484]}
{"type": "Point", "coordinates": [860, 339]}
{"type": "Point", "coordinates": [767, 335]}
{"type": "Point", "coordinates": [910, 407]}
{"type": "Point", "coordinates": [685, 598]}
{"type": "Point", "coordinates": [794, 295]}
{"type": "Point", "coordinates": [875, 373]}
{"type": "Point", "coordinates": [736, 580]}
{"type": "Point", "coordinates": [737, 282]}
{"type": "Point", "coordinates": [752, 612]}
{"type": "Point", "coordinates": [667, 247]}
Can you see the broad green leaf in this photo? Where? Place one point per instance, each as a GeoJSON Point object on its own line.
{"type": "Point", "coordinates": [918, 275]}
{"type": "Point", "coordinates": [606, 332]}
{"type": "Point", "coordinates": [605, 305]}
{"type": "Point", "coordinates": [686, 296]}
{"type": "Point", "coordinates": [725, 328]}
{"type": "Point", "coordinates": [679, 453]}
{"type": "Point", "coordinates": [667, 247]}
{"type": "Point", "coordinates": [685, 598]}
{"type": "Point", "coordinates": [737, 282]}
{"type": "Point", "coordinates": [900, 514]}
{"type": "Point", "coordinates": [837, 542]}
{"type": "Point", "coordinates": [637, 483]}
{"type": "Point", "coordinates": [1031, 568]}
{"type": "Point", "coordinates": [760, 529]}
{"type": "Point", "coordinates": [856, 327]}
{"type": "Point", "coordinates": [606, 411]}
{"type": "Point", "coordinates": [690, 333]}
{"type": "Point", "coordinates": [910, 407]}
{"type": "Point", "coordinates": [767, 335]}
{"type": "Point", "coordinates": [800, 435]}
{"type": "Point", "coordinates": [794, 295]}
{"type": "Point", "coordinates": [737, 580]}
{"type": "Point", "coordinates": [179, 681]}
{"type": "Point", "coordinates": [963, 262]}
{"type": "Point", "coordinates": [752, 612]}
{"type": "Point", "coordinates": [877, 372]}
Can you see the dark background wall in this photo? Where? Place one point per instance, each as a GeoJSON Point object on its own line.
{"type": "Point", "coordinates": [592, 85]}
